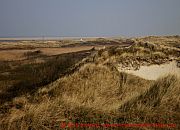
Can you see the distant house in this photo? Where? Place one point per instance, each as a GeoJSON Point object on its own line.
{"type": "Point", "coordinates": [81, 40]}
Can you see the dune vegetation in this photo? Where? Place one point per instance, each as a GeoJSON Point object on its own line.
{"type": "Point", "coordinates": [92, 90]}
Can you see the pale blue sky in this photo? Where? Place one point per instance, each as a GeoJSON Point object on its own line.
{"type": "Point", "coordinates": [89, 17]}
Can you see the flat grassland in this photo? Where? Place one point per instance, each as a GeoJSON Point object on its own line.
{"type": "Point", "coordinates": [44, 83]}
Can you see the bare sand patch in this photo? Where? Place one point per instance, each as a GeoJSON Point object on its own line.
{"type": "Point", "coordinates": [56, 51]}
{"type": "Point", "coordinates": [18, 54]}
{"type": "Point", "coordinates": [153, 72]}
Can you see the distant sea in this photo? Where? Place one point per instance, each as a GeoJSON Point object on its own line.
{"type": "Point", "coordinates": [42, 38]}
